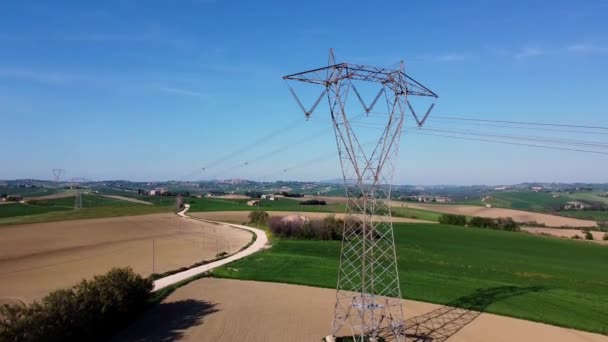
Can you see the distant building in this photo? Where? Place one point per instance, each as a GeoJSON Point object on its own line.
{"type": "Point", "coordinates": [442, 199]}
{"type": "Point", "coordinates": [488, 205]}
{"type": "Point", "coordinates": [157, 191]}
{"type": "Point", "coordinates": [537, 188]}
{"type": "Point", "coordinates": [253, 203]}
{"type": "Point", "coordinates": [577, 205]}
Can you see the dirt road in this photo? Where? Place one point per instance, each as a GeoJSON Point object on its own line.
{"type": "Point", "coordinates": [231, 310]}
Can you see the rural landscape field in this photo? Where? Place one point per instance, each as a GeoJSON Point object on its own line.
{"type": "Point", "coordinates": [206, 170]}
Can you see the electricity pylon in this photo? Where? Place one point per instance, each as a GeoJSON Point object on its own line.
{"type": "Point", "coordinates": [368, 298]}
{"type": "Point", "coordinates": [57, 173]}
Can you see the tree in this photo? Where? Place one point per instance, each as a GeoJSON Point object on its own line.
{"type": "Point", "coordinates": [588, 235]}
{"type": "Point", "coordinates": [457, 220]}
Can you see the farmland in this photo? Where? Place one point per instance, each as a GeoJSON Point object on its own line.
{"type": "Point", "coordinates": [527, 200]}
{"type": "Point", "coordinates": [215, 204]}
{"type": "Point", "coordinates": [37, 258]}
{"type": "Point", "coordinates": [59, 209]}
{"type": "Point", "coordinates": [440, 263]}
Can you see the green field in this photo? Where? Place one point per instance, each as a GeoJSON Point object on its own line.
{"type": "Point", "coordinates": [527, 200]}
{"type": "Point", "coordinates": [586, 214]}
{"type": "Point", "coordinates": [28, 192]}
{"type": "Point", "coordinates": [59, 209]}
{"type": "Point", "coordinates": [560, 282]}
{"type": "Point", "coordinates": [218, 204]}
{"type": "Point", "coordinates": [590, 196]}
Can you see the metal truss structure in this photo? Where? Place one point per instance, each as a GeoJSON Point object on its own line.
{"type": "Point", "coordinates": [368, 299]}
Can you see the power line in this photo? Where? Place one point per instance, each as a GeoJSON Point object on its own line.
{"type": "Point", "coordinates": [514, 143]}
{"type": "Point", "coordinates": [520, 122]}
{"type": "Point", "coordinates": [530, 138]}
{"type": "Point", "coordinates": [528, 128]}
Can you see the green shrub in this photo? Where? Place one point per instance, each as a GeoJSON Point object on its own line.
{"type": "Point", "coordinates": [457, 220]}
{"type": "Point", "coordinates": [501, 223]}
{"type": "Point", "coordinates": [588, 235]}
{"type": "Point", "coordinates": [258, 217]}
{"type": "Point", "coordinates": [605, 238]}
{"type": "Point", "coordinates": [89, 311]}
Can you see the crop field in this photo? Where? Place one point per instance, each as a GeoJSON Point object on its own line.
{"type": "Point", "coordinates": [527, 200]}
{"type": "Point", "coordinates": [586, 214]}
{"type": "Point", "coordinates": [590, 196]}
{"type": "Point", "coordinates": [559, 282]}
{"type": "Point", "coordinates": [38, 258]}
{"type": "Point", "coordinates": [28, 192]}
{"type": "Point", "coordinates": [59, 209]}
{"type": "Point", "coordinates": [215, 204]}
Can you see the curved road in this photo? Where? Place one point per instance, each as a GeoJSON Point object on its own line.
{"type": "Point", "coordinates": [260, 241]}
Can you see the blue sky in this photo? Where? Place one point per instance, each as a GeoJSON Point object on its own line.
{"type": "Point", "coordinates": [154, 90]}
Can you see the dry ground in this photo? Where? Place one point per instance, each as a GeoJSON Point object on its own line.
{"type": "Point", "coordinates": [38, 258]}
{"type": "Point", "coordinates": [471, 210]}
{"type": "Point", "coordinates": [243, 216]}
{"type": "Point", "coordinates": [517, 215]}
{"type": "Point", "coordinates": [128, 199]}
{"type": "Point", "coordinates": [566, 233]}
{"type": "Point", "coordinates": [231, 310]}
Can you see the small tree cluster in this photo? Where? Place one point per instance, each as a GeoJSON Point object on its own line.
{"type": "Point", "coordinates": [457, 220]}
{"type": "Point", "coordinates": [501, 223]}
{"type": "Point", "coordinates": [258, 217]}
{"type": "Point", "coordinates": [605, 238]}
{"type": "Point", "coordinates": [89, 311]}
{"type": "Point", "coordinates": [313, 202]}
{"type": "Point", "coordinates": [588, 235]}
{"type": "Point", "coordinates": [329, 228]}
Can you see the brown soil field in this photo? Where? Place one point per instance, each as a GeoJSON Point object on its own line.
{"type": "Point", "coordinates": [38, 258]}
{"type": "Point", "coordinates": [566, 233]}
{"type": "Point", "coordinates": [517, 215]}
{"type": "Point", "coordinates": [243, 216]}
{"type": "Point", "coordinates": [231, 310]}
{"type": "Point", "coordinates": [128, 199]}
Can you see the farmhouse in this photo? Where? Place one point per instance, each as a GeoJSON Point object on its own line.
{"type": "Point", "coordinates": [253, 203]}
{"type": "Point", "coordinates": [157, 191]}
{"type": "Point", "coordinates": [575, 205]}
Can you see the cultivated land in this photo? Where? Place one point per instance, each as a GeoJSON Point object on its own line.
{"type": "Point", "coordinates": [335, 205]}
{"type": "Point", "coordinates": [562, 282]}
{"type": "Point", "coordinates": [38, 258]}
{"type": "Point", "coordinates": [228, 310]}
{"type": "Point", "coordinates": [517, 215]}
{"type": "Point", "coordinates": [243, 216]}
{"type": "Point", "coordinates": [60, 209]}
{"type": "Point", "coordinates": [128, 199]}
{"type": "Point", "coordinates": [566, 233]}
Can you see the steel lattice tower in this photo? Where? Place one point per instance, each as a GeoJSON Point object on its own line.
{"type": "Point", "coordinates": [368, 299]}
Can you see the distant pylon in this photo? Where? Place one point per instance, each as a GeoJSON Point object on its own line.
{"type": "Point", "coordinates": [368, 299]}
{"type": "Point", "coordinates": [57, 173]}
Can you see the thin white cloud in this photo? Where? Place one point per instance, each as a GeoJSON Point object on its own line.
{"type": "Point", "coordinates": [453, 57]}
{"type": "Point", "coordinates": [529, 51]}
{"type": "Point", "coordinates": [587, 48]}
{"type": "Point", "coordinates": [179, 91]}
{"type": "Point", "coordinates": [41, 76]}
